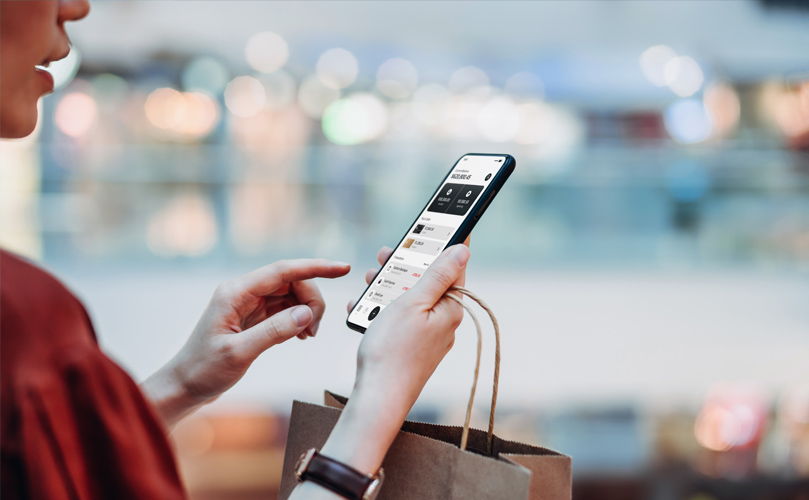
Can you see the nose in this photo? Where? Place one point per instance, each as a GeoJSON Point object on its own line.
{"type": "Point", "coordinates": [73, 10]}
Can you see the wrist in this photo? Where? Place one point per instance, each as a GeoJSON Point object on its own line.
{"type": "Point", "coordinates": [367, 427]}
{"type": "Point", "coordinates": [310, 490]}
{"type": "Point", "coordinates": [169, 394]}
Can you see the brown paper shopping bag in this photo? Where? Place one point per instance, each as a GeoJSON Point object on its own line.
{"type": "Point", "coordinates": [438, 462]}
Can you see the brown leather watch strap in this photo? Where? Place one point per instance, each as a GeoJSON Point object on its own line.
{"type": "Point", "coordinates": [337, 477]}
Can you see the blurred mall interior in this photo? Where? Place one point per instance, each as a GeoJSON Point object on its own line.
{"type": "Point", "coordinates": [648, 259]}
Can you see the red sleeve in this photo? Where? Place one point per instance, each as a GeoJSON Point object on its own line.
{"type": "Point", "coordinates": [74, 425]}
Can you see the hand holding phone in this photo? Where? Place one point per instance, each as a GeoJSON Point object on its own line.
{"type": "Point", "coordinates": [447, 219]}
{"type": "Point", "coordinates": [398, 355]}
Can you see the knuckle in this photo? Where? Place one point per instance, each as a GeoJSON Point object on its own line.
{"type": "Point", "coordinates": [444, 277]}
{"type": "Point", "coordinates": [281, 269]}
{"type": "Point", "coordinates": [224, 290]}
{"type": "Point", "coordinates": [230, 355]}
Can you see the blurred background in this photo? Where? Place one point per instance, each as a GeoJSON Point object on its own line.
{"type": "Point", "coordinates": [648, 260]}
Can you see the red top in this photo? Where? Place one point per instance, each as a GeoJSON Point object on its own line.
{"type": "Point", "coordinates": [73, 425]}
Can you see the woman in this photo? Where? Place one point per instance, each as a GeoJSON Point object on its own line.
{"type": "Point", "coordinates": [74, 425]}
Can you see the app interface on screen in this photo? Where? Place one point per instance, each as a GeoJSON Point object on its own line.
{"type": "Point", "coordinates": [429, 236]}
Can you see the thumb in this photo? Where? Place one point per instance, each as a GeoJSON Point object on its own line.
{"type": "Point", "coordinates": [442, 274]}
{"type": "Point", "coordinates": [276, 329]}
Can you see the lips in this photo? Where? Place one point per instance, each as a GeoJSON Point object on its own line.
{"type": "Point", "coordinates": [42, 71]}
{"type": "Point", "coordinates": [46, 77]}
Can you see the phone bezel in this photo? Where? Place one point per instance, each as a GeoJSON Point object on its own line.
{"type": "Point", "coordinates": [470, 219]}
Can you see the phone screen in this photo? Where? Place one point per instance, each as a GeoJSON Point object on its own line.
{"type": "Point", "coordinates": [457, 199]}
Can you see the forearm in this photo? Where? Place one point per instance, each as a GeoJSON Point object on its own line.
{"type": "Point", "coordinates": [362, 436]}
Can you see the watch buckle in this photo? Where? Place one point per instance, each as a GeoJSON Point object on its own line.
{"type": "Point", "coordinates": [373, 489]}
{"type": "Point", "coordinates": [303, 463]}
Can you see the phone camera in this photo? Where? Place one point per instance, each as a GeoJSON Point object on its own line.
{"type": "Point", "coordinates": [488, 177]}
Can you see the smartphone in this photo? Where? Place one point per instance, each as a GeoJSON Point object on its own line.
{"type": "Point", "coordinates": [447, 219]}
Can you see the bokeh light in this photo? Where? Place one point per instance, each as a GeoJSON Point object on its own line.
{"type": "Point", "coordinates": [722, 103]}
{"type": "Point", "coordinates": [245, 96]}
{"type": "Point", "coordinates": [358, 118]}
{"type": "Point", "coordinates": [499, 120]}
{"type": "Point", "coordinates": [653, 62]}
{"type": "Point", "coordinates": [266, 52]}
{"type": "Point", "coordinates": [337, 68]}
{"type": "Point", "coordinates": [716, 429]}
{"type": "Point", "coordinates": [205, 74]}
{"type": "Point", "coordinates": [186, 227]}
{"type": "Point", "coordinates": [525, 85]}
{"type": "Point", "coordinates": [188, 114]}
{"type": "Point", "coordinates": [76, 114]}
{"type": "Point", "coordinates": [314, 97]}
{"type": "Point", "coordinates": [156, 105]}
{"type": "Point", "coordinates": [732, 417]}
{"type": "Point", "coordinates": [688, 121]}
{"type": "Point", "coordinates": [197, 115]}
{"type": "Point", "coordinates": [466, 79]}
{"type": "Point", "coordinates": [397, 78]}
{"type": "Point", "coordinates": [684, 76]}
{"type": "Point", "coordinates": [790, 109]}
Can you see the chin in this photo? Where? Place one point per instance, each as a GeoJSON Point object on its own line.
{"type": "Point", "coordinates": [19, 124]}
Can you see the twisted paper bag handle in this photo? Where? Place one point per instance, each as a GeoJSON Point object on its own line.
{"type": "Point", "coordinates": [490, 434]}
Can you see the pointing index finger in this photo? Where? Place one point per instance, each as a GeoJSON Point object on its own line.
{"type": "Point", "coordinates": [267, 279]}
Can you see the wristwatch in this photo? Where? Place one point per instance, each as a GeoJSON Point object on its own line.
{"type": "Point", "coordinates": [338, 477]}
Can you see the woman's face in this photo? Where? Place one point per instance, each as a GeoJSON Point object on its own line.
{"type": "Point", "coordinates": [32, 33]}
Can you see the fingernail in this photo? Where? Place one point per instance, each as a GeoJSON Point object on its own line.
{"type": "Point", "coordinates": [340, 263]}
{"type": "Point", "coordinates": [460, 254]}
{"type": "Point", "coordinates": [302, 315]}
